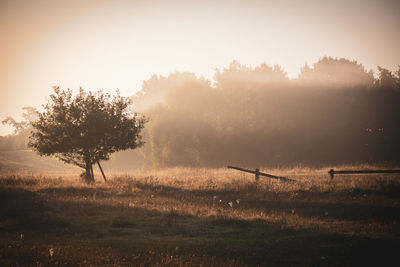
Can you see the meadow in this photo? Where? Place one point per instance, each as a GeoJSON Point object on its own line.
{"type": "Point", "coordinates": [200, 217]}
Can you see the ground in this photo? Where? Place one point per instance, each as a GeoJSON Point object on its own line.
{"type": "Point", "coordinates": [200, 217]}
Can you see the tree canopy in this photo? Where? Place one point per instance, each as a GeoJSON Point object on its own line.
{"type": "Point", "coordinates": [337, 71]}
{"type": "Point", "coordinates": [85, 128]}
{"type": "Point", "coordinates": [19, 139]}
{"type": "Point", "coordinates": [335, 113]}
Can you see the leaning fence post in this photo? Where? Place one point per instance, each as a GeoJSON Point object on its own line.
{"type": "Point", "coordinates": [101, 169]}
{"type": "Point", "coordinates": [257, 173]}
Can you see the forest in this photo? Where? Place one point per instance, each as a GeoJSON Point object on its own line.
{"type": "Point", "coordinates": [335, 112]}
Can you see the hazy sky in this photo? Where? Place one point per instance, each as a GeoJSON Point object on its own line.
{"type": "Point", "coordinates": [110, 44]}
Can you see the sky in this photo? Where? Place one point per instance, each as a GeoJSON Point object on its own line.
{"type": "Point", "coordinates": [117, 44]}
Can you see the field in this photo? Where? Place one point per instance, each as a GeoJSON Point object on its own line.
{"type": "Point", "coordinates": [200, 217]}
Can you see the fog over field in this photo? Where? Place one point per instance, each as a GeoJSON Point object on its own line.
{"type": "Point", "coordinates": [256, 83]}
{"type": "Point", "coordinates": [199, 133]}
{"type": "Point", "coordinates": [336, 112]}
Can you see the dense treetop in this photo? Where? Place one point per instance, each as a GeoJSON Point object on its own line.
{"type": "Point", "coordinates": [85, 128]}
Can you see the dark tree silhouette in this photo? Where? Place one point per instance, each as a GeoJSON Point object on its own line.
{"type": "Point", "coordinates": [85, 128]}
{"type": "Point", "coordinates": [385, 78]}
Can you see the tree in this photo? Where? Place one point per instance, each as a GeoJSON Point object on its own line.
{"type": "Point", "coordinates": [19, 139]}
{"type": "Point", "coordinates": [85, 128]}
{"type": "Point", "coordinates": [28, 115]}
{"type": "Point", "coordinates": [157, 87]}
{"type": "Point", "coordinates": [238, 76]}
{"type": "Point", "coordinates": [337, 71]}
{"type": "Point", "coordinates": [386, 78]}
{"type": "Point", "coordinates": [397, 78]}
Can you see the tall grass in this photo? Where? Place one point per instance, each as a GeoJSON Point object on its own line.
{"type": "Point", "coordinates": [192, 213]}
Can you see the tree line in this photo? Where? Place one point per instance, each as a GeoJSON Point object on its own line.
{"type": "Point", "coordinates": [336, 112]}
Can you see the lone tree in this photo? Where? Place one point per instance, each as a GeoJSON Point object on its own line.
{"type": "Point", "coordinates": [85, 128]}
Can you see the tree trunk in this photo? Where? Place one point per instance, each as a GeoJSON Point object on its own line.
{"type": "Point", "coordinates": [88, 175]}
{"type": "Point", "coordinates": [91, 171]}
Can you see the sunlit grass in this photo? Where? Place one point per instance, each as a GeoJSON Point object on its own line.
{"type": "Point", "coordinates": [186, 213]}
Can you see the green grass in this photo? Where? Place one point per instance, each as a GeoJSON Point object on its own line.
{"type": "Point", "coordinates": [200, 217]}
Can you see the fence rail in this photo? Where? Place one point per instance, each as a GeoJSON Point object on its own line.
{"type": "Point", "coordinates": [332, 172]}
{"type": "Point", "coordinates": [258, 173]}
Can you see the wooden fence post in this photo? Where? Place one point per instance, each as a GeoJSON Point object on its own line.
{"type": "Point", "coordinates": [257, 173]}
{"type": "Point", "coordinates": [332, 173]}
{"type": "Point", "coordinates": [101, 169]}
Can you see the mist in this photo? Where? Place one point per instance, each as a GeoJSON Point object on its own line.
{"type": "Point", "coordinates": [336, 112]}
{"type": "Point", "coordinates": [199, 133]}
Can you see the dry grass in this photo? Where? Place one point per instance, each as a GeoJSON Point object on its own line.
{"type": "Point", "coordinates": [193, 217]}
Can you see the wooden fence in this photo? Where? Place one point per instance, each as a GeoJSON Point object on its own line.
{"type": "Point", "coordinates": [258, 173]}
{"type": "Point", "coordinates": [332, 172]}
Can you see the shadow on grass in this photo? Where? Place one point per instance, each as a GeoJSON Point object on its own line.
{"type": "Point", "coordinates": [71, 191]}
{"type": "Point", "coordinates": [22, 209]}
{"type": "Point", "coordinates": [100, 234]}
{"type": "Point", "coordinates": [325, 205]}
{"type": "Point", "coordinates": [306, 204]}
